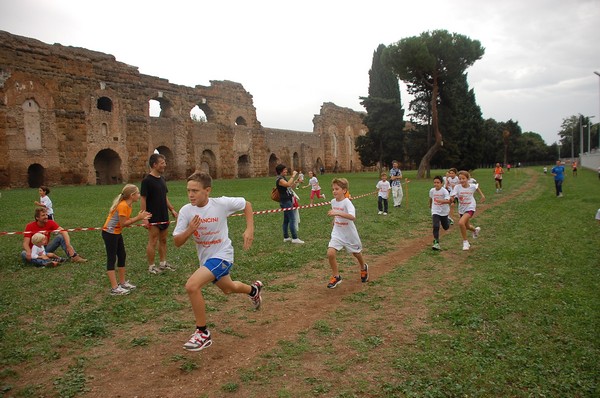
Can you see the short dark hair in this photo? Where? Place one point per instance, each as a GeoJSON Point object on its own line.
{"type": "Point", "coordinates": [438, 178]}
{"type": "Point", "coordinates": [154, 158]}
{"type": "Point", "coordinates": [45, 189]}
{"type": "Point", "coordinates": [279, 168]}
{"type": "Point", "coordinates": [203, 178]}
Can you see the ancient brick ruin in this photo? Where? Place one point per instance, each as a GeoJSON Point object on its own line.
{"type": "Point", "coordinates": [74, 116]}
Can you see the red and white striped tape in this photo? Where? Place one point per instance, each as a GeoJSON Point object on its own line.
{"type": "Point", "coordinates": [168, 222]}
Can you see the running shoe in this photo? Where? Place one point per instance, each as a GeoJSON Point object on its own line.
{"type": "Point", "coordinates": [257, 299]}
{"type": "Point", "coordinates": [118, 291]}
{"type": "Point", "coordinates": [334, 281]}
{"type": "Point", "coordinates": [364, 274]}
{"type": "Point", "coordinates": [127, 285]}
{"type": "Point", "coordinates": [476, 232]}
{"type": "Point", "coordinates": [198, 341]}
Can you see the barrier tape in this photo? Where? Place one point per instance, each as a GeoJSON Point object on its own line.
{"type": "Point", "coordinates": [168, 222]}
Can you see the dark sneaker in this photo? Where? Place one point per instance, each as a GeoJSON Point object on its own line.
{"type": "Point", "coordinates": [257, 299]}
{"type": "Point", "coordinates": [334, 281]}
{"type": "Point", "coordinates": [198, 341]}
{"type": "Point", "coordinates": [364, 274]}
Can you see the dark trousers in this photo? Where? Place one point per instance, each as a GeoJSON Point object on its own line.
{"type": "Point", "coordinates": [382, 204]}
{"type": "Point", "coordinates": [115, 249]}
{"type": "Point", "coordinates": [437, 220]}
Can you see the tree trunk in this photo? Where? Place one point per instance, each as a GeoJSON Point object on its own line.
{"type": "Point", "coordinates": [424, 165]}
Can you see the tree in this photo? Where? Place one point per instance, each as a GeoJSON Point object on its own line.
{"type": "Point", "coordinates": [384, 119]}
{"type": "Point", "coordinates": [427, 62]}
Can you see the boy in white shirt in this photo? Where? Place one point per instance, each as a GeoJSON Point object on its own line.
{"type": "Point", "coordinates": [344, 233]}
{"type": "Point", "coordinates": [439, 203]}
{"type": "Point", "coordinates": [383, 188]}
{"type": "Point", "coordinates": [205, 220]}
{"type": "Point", "coordinates": [39, 255]}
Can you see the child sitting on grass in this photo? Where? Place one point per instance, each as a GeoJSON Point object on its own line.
{"type": "Point", "coordinates": [39, 256]}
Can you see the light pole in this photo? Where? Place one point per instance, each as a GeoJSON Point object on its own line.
{"type": "Point", "coordinates": [598, 74]}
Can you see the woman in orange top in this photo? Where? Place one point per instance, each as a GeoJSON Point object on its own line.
{"type": "Point", "coordinates": [498, 177]}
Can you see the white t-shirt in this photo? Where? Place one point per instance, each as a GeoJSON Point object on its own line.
{"type": "Point", "coordinates": [437, 195]}
{"type": "Point", "coordinates": [466, 197]}
{"type": "Point", "coordinates": [314, 184]}
{"type": "Point", "coordinates": [344, 231]}
{"type": "Point", "coordinates": [212, 236]}
{"type": "Point", "coordinates": [45, 200]}
{"type": "Point", "coordinates": [37, 251]}
{"type": "Point", "coordinates": [450, 183]}
{"type": "Point", "coordinates": [384, 188]}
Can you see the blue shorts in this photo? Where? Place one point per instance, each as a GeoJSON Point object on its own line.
{"type": "Point", "coordinates": [218, 267]}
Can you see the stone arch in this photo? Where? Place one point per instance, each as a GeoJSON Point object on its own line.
{"type": "Point", "coordinates": [161, 107]}
{"type": "Point", "coordinates": [202, 104]}
{"type": "Point", "coordinates": [198, 115]}
{"type": "Point", "coordinates": [32, 124]}
{"type": "Point", "coordinates": [170, 159]}
{"type": "Point", "coordinates": [208, 163]}
{"type": "Point", "coordinates": [332, 132]}
{"type": "Point", "coordinates": [273, 162]}
{"type": "Point", "coordinates": [240, 121]}
{"type": "Point", "coordinates": [243, 166]}
{"type": "Point", "coordinates": [107, 164]}
{"type": "Point", "coordinates": [36, 175]}
{"type": "Point", "coordinates": [295, 161]}
{"type": "Point", "coordinates": [104, 104]}
{"type": "Point", "coordinates": [318, 165]}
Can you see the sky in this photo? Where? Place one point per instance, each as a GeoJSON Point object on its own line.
{"type": "Point", "coordinates": [538, 67]}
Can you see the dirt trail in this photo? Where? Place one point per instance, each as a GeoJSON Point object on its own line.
{"type": "Point", "coordinates": [151, 372]}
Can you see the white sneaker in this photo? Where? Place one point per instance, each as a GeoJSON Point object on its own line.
{"type": "Point", "coordinates": [476, 232]}
{"type": "Point", "coordinates": [118, 291]}
{"type": "Point", "coordinates": [380, 212]}
{"type": "Point", "coordinates": [466, 245]}
{"type": "Point", "coordinates": [127, 285]}
{"type": "Point", "coordinates": [384, 213]}
{"type": "Point", "coordinates": [323, 196]}
{"type": "Point", "coordinates": [287, 240]}
{"type": "Point", "coordinates": [154, 270]}
{"type": "Point", "coordinates": [297, 241]}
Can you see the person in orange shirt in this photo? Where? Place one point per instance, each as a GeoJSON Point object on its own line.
{"type": "Point", "coordinates": [575, 169]}
{"type": "Point", "coordinates": [498, 177]}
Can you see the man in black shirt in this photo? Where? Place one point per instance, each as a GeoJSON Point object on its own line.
{"type": "Point", "coordinates": [155, 201]}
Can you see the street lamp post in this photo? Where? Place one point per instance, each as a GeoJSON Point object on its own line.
{"type": "Point", "coordinates": [598, 74]}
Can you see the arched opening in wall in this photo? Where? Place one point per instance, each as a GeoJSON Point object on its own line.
{"type": "Point", "coordinates": [295, 161]}
{"type": "Point", "coordinates": [243, 165]}
{"type": "Point", "coordinates": [240, 121]}
{"type": "Point", "coordinates": [273, 162]}
{"type": "Point", "coordinates": [160, 107]}
{"type": "Point", "coordinates": [35, 175]}
{"type": "Point", "coordinates": [198, 115]}
{"type": "Point", "coordinates": [208, 163]}
{"type": "Point", "coordinates": [107, 164]}
{"type": "Point", "coordinates": [32, 124]}
{"type": "Point", "coordinates": [104, 104]}
{"type": "Point", "coordinates": [319, 167]}
{"type": "Point", "coordinates": [170, 171]}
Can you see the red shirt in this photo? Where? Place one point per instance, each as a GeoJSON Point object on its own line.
{"type": "Point", "coordinates": [33, 228]}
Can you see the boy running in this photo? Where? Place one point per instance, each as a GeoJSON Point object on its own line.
{"type": "Point", "coordinates": [205, 220]}
{"type": "Point", "coordinates": [439, 202]}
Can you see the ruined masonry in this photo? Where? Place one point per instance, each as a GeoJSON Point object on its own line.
{"type": "Point", "coordinates": [70, 115]}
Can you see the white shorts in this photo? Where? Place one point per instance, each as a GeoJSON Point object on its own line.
{"type": "Point", "coordinates": [350, 247]}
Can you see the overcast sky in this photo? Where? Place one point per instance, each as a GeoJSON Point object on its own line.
{"type": "Point", "coordinates": [293, 56]}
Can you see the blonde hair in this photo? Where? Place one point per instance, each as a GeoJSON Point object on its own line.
{"type": "Point", "coordinates": [341, 182]}
{"type": "Point", "coordinates": [465, 173]}
{"type": "Point", "coordinates": [38, 239]}
{"type": "Point", "coordinates": [126, 192]}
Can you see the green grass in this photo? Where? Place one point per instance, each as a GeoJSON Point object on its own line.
{"type": "Point", "coordinates": [519, 317]}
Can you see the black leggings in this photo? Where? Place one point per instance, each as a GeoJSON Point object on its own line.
{"type": "Point", "coordinates": [115, 249]}
{"type": "Point", "coordinates": [437, 220]}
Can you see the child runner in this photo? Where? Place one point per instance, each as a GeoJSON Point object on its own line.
{"type": "Point", "coordinates": [383, 188]}
{"type": "Point", "coordinates": [315, 189]}
{"type": "Point", "coordinates": [118, 218]}
{"type": "Point", "coordinates": [39, 255]}
{"type": "Point", "coordinates": [205, 220]}
{"type": "Point", "coordinates": [45, 201]}
{"type": "Point", "coordinates": [439, 203]}
{"type": "Point", "coordinates": [396, 178]}
{"type": "Point", "coordinates": [466, 205]}
{"type": "Point", "coordinates": [498, 171]}
{"type": "Point", "coordinates": [450, 183]}
{"type": "Point", "coordinates": [344, 233]}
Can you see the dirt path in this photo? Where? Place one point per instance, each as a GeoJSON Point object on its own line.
{"type": "Point", "coordinates": [151, 372]}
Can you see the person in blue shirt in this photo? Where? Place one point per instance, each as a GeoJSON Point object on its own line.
{"type": "Point", "coordinates": [558, 172]}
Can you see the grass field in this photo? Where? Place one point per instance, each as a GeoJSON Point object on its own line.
{"type": "Point", "coordinates": [517, 316]}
